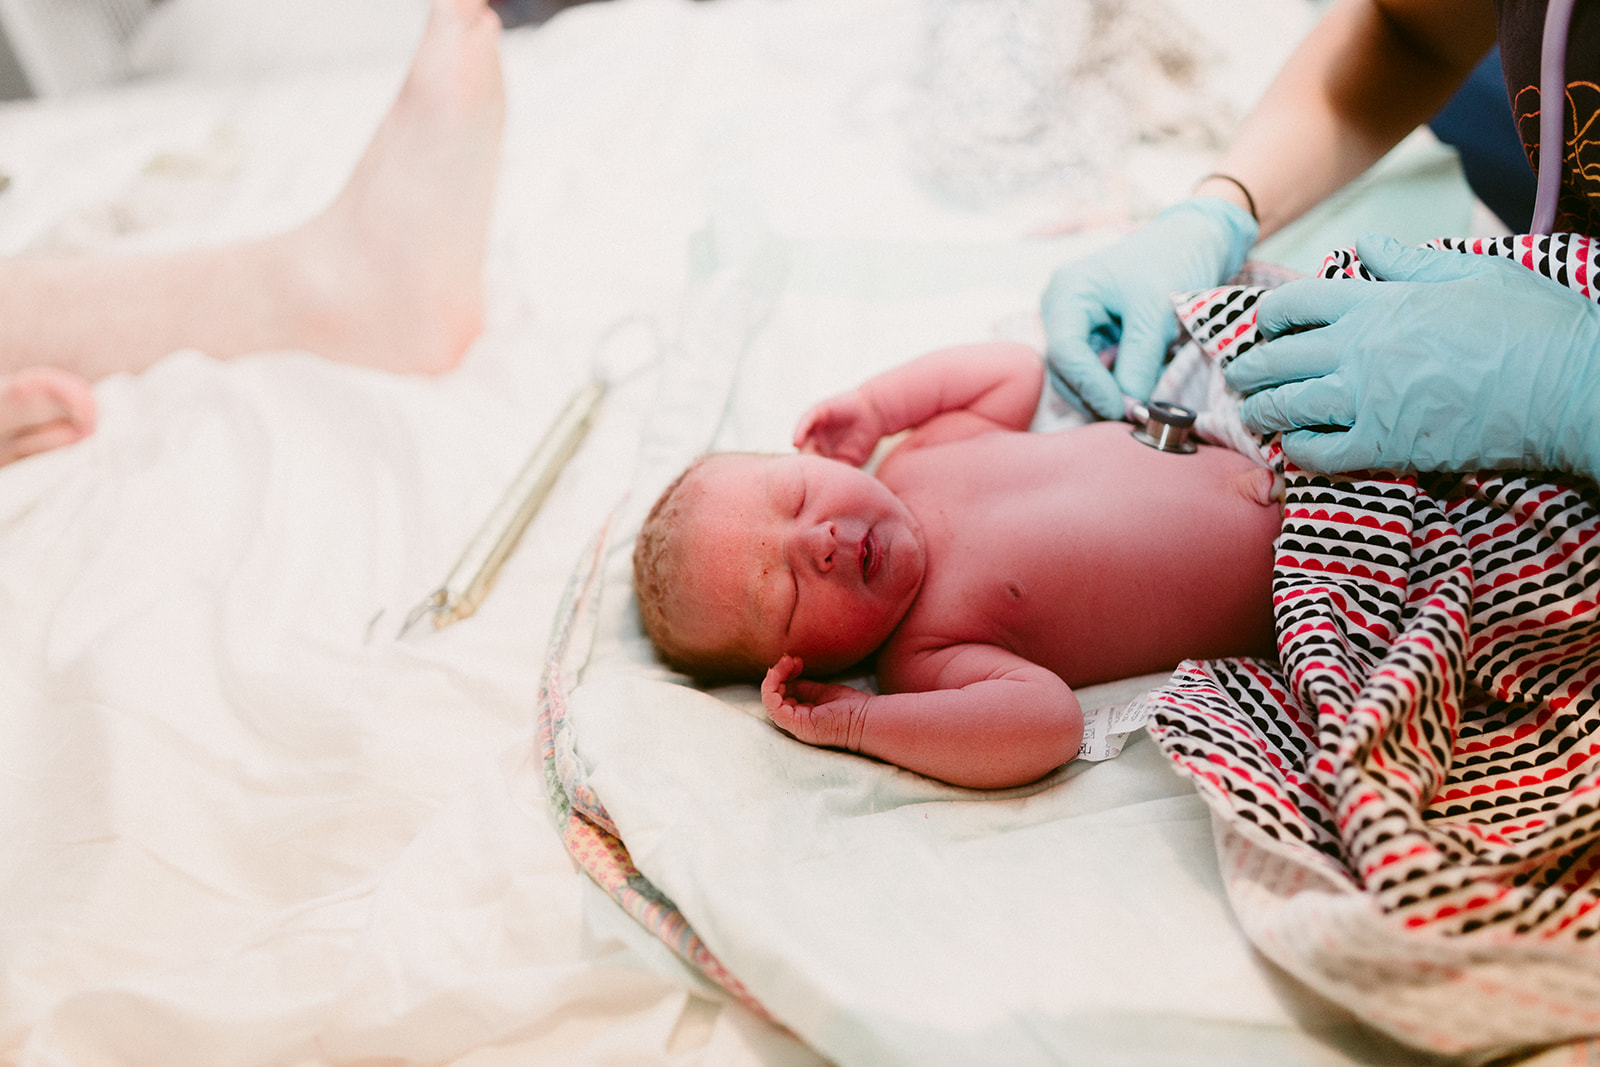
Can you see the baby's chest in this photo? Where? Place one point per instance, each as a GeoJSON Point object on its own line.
{"type": "Point", "coordinates": [987, 593]}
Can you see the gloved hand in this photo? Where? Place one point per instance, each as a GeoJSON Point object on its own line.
{"type": "Point", "coordinates": [1452, 362]}
{"type": "Point", "coordinates": [1122, 295]}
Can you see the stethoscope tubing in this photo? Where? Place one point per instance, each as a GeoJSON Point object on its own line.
{"type": "Point", "coordinates": [1552, 112]}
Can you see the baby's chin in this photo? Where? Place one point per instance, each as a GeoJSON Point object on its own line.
{"type": "Point", "coordinates": [910, 566]}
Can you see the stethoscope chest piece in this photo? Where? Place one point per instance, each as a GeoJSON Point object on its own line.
{"type": "Point", "coordinates": [1166, 427]}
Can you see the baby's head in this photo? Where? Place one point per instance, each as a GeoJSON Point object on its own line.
{"type": "Point", "coordinates": [747, 557]}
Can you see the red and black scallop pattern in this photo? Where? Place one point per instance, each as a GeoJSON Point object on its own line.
{"type": "Point", "coordinates": [1430, 731]}
{"type": "Point", "coordinates": [1221, 321]}
{"type": "Point", "coordinates": [1569, 258]}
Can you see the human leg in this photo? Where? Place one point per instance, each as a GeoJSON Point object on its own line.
{"type": "Point", "coordinates": [388, 276]}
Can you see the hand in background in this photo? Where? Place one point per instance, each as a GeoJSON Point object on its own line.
{"type": "Point", "coordinates": [1122, 295]}
{"type": "Point", "coordinates": [845, 427]}
{"type": "Point", "coordinates": [834, 716]}
{"type": "Point", "coordinates": [1451, 362]}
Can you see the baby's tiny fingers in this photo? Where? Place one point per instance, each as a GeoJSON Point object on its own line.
{"type": "Point", "coordinates": [813, 425]}
{"type": "Point", "coordinates": [789, 717]}
{"type": "Point", "coordinates": [810, 692]}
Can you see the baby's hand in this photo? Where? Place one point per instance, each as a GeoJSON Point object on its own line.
{"type": "Point", "coordinates": [834, 716]}
{"type": "Point", "coordinates": [846, 427]}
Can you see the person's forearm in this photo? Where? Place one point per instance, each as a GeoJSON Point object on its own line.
{"type": "Point", "coordinates": [1368, 74]}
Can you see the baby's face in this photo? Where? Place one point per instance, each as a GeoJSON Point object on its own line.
{"type": "Point", "coordinates": [797, 554]}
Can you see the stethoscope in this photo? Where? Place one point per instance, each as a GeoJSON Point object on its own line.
{"type": "Point", "coordinates": [1552, 88]}
{"type": "Point", "coordinates": [1166, 426]}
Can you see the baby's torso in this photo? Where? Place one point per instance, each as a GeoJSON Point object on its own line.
{"type": "Point", "coordinates": [1085, 552]}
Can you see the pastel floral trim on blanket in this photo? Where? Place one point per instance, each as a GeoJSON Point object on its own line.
{"type": "Point", "coordinates": [1409, 799]}
{"type": "Point", "coordinates": [586, 829]}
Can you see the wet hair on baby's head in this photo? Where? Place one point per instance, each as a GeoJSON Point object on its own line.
{"type": "Point", "coordinates": [656, 569]}
{"type": "Point", "coordinates": [661, 569]}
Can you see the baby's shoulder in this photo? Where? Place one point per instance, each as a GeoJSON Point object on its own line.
{"type": "Point", "coordinates": [918, 651]}
{"type": "Point", "coordinates": [938, 460]}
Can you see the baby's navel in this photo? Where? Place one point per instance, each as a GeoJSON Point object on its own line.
{"type": "Point", "coordinates": [1014, 589]}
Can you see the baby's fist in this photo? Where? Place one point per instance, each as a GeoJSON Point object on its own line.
{"type": "Point", "coordinates": [834, 716]}
{"type": "Point", "coordinates": [846, 427]}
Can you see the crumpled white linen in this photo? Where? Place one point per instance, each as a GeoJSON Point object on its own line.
{"type": "Point", "coordinates": [243, 823]}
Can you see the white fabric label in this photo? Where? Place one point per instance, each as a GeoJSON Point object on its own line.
{"type": "Point", "coordinates": [1106, 729]}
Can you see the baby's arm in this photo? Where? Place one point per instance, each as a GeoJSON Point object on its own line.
{"type": "Point", "coordinates": [969, 389]}
{"type": "Point", "coordinates": [1013, 723]}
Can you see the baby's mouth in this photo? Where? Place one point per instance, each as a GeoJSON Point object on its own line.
{"type": "Point", "coordinates": [871, 558]}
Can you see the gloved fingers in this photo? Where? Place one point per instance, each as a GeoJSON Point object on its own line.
{"type": "Point", "coordinates": [1076, 373]}
{"type": "Point", "coordinates": [1142, 353]}
{"type": "Point", "coordinates": [1073, 305]}
{"type": "Point", "coordinates": [1076, 327]}
{"type": "Point", "coordinates": [1330, 451]}
{"type": "Point", "coordinates": [1295, 358]}
{"type": "Point", "coordinates": [1391, 261]}
{"type": "Point", "coordinates": [1309, 302]}
{"type": "Point", "coordinates": [1319, 402]}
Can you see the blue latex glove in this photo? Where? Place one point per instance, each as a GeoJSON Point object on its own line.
{"type": "Point", "coordinates": [1123, 293]}
{"type": "Point", "coordinates": [1452, 362]}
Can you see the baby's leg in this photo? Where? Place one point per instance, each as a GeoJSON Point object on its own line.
{"type": "Point", "coordinates": [390, 275]}
{"type": "Point", "coordinates": [42, 408]}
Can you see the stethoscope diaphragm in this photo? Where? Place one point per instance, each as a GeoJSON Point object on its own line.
{"type": "Point", "coordinates": [1165, 427]}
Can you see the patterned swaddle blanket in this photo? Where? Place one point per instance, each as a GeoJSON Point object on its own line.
{"type": "Point", "coordinates": [1408, 801]}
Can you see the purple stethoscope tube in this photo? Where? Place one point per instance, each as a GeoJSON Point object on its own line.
{"type": "Point", "coordinates": [1552, 111]}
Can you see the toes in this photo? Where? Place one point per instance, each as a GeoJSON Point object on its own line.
{"type": "Point", "coordinates": [43, 408]}
{"type": "Point", "coordinates": [40, 439]}
{"type": "Point", "coordinates": [42, 394]}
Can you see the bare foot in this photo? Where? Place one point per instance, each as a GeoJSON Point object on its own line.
{"type": "Point", "coordinates": [42, 408]}
{"type": "Point", "coordinates": [397, 260]}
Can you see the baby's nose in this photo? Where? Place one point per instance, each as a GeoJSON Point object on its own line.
{"type": "Point", "coordinates": [817, 545]}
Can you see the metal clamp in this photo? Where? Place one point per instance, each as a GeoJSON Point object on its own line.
{"type": "Point", "coordinates": [466, 586]}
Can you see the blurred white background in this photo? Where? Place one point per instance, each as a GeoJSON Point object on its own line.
{"type": "Point", "coordinates": [56, 47]}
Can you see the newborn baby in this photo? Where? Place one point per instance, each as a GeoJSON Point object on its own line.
{"type": "Point", "coordinates": [987, 569]}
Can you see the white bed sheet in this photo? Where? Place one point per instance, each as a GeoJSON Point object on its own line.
{"type": "Point", "coordinates": [244, 825]}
